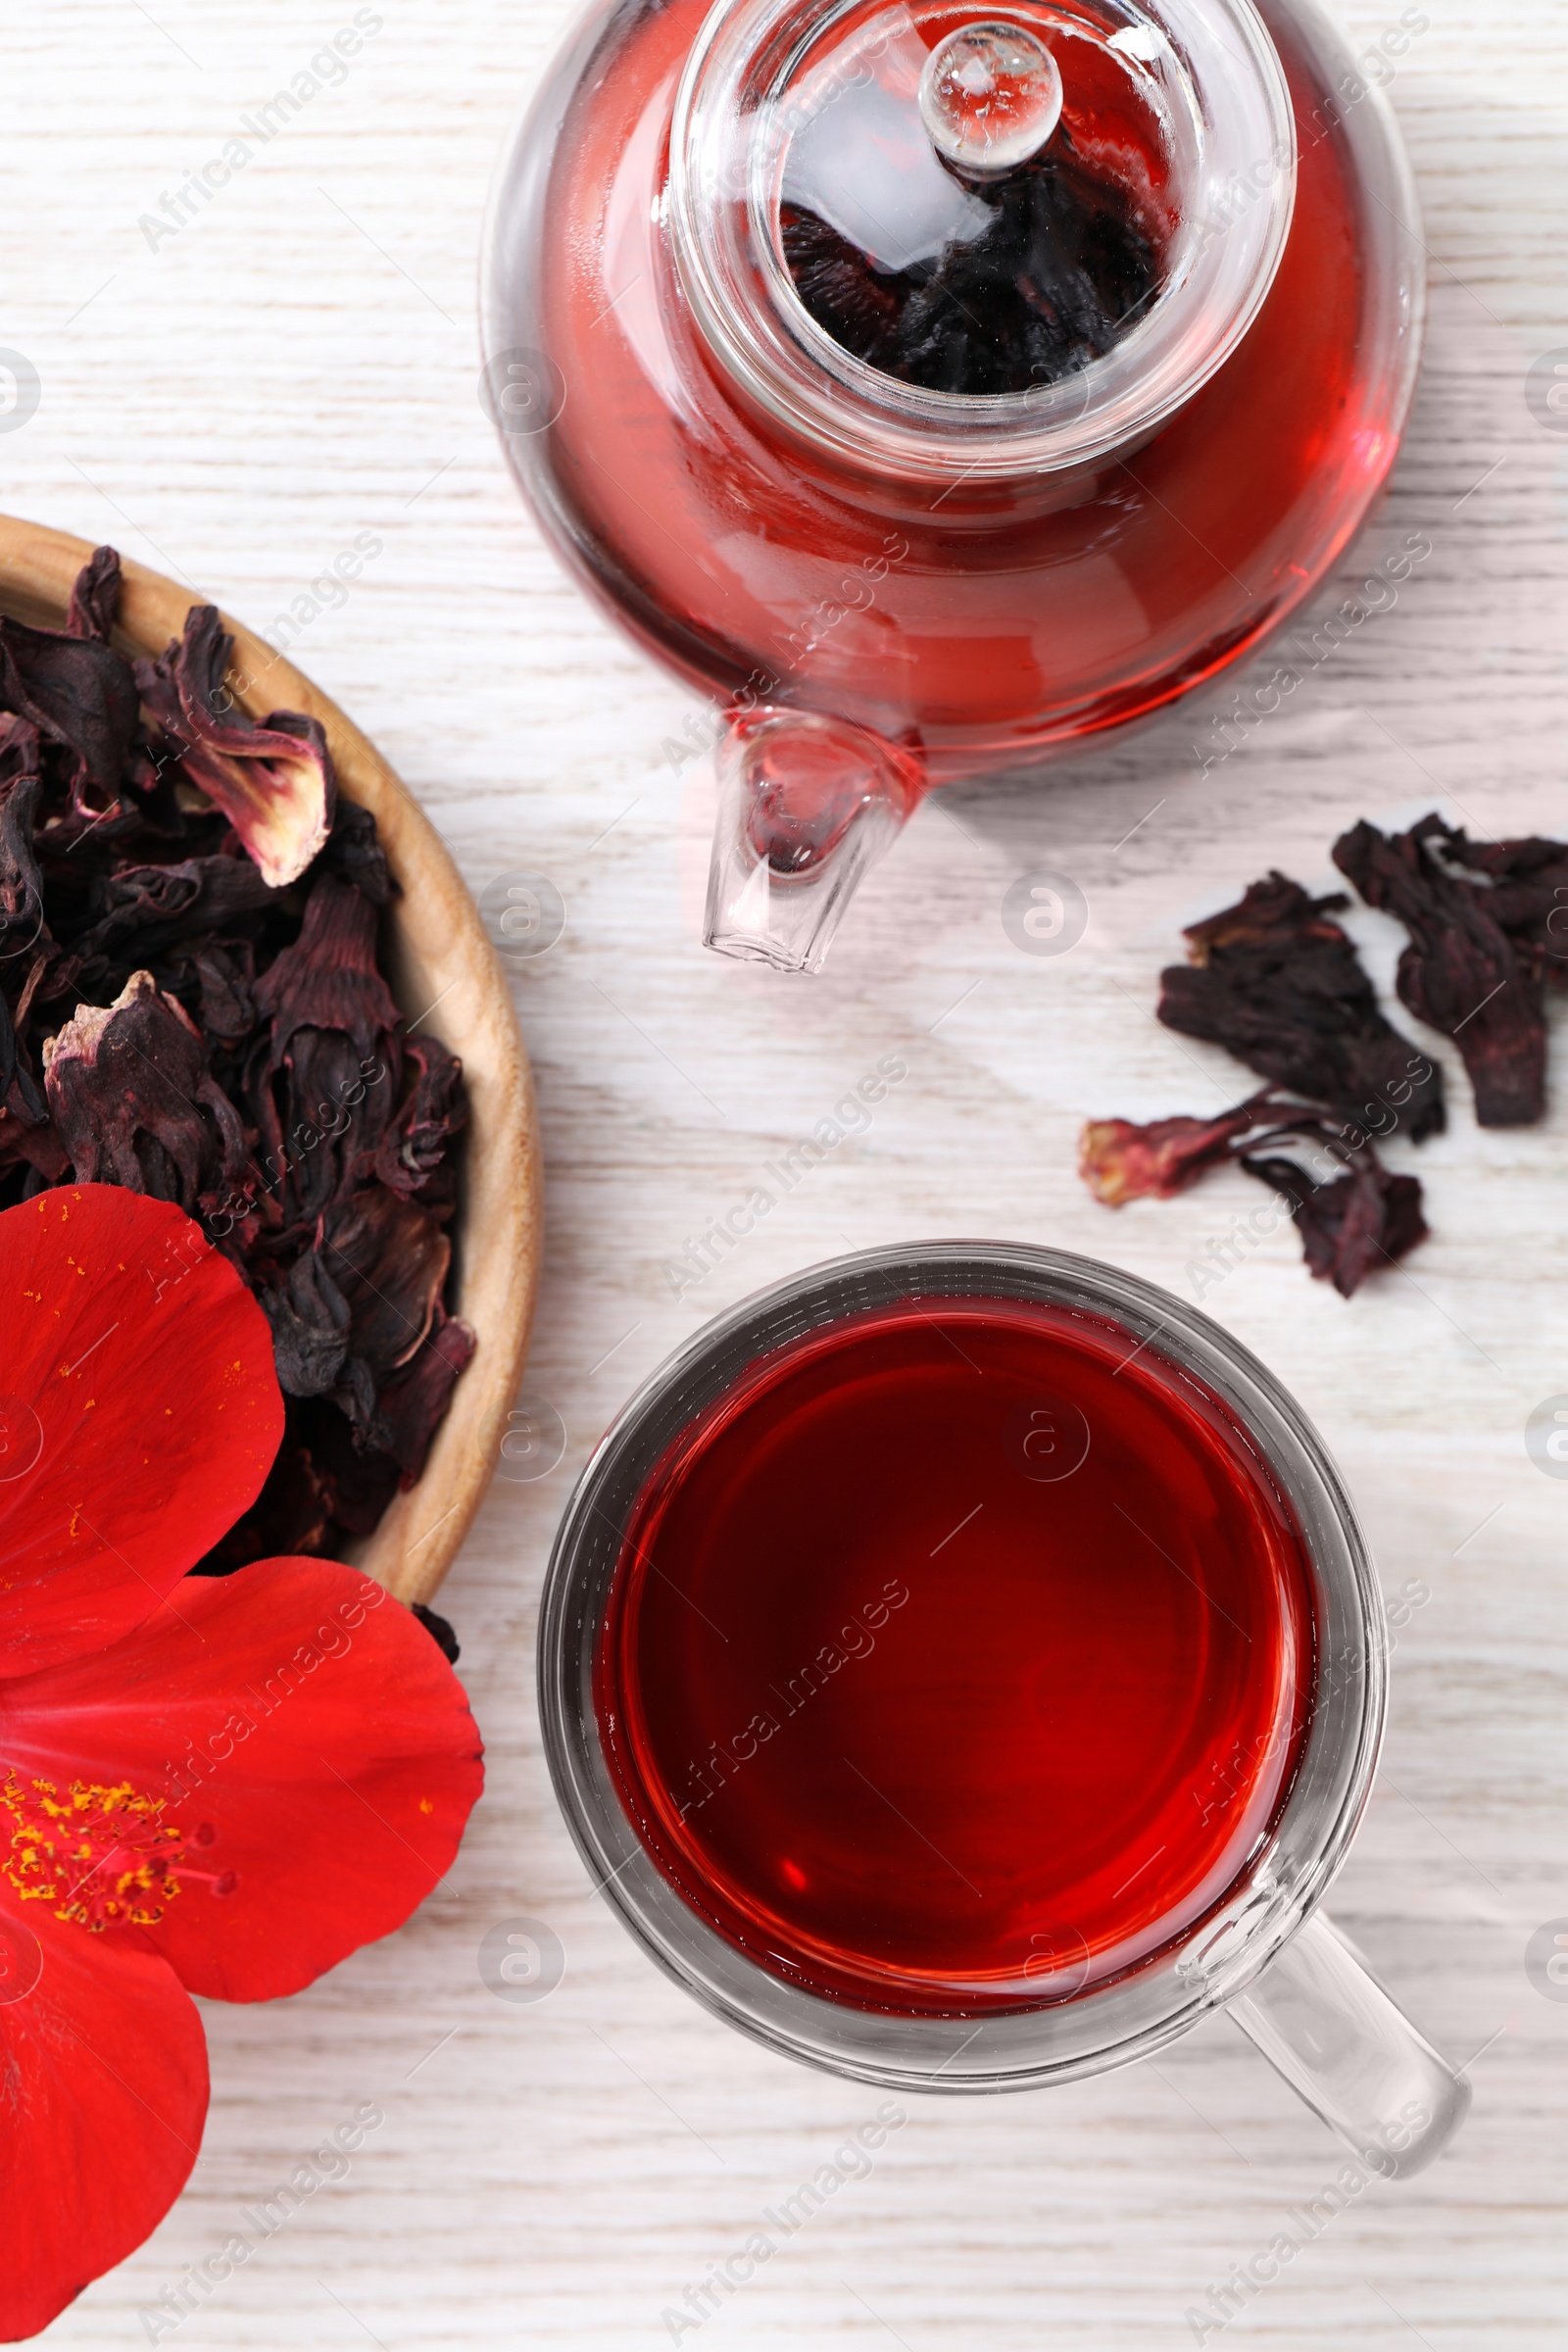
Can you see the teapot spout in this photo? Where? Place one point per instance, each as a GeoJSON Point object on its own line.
{"type": "Point", "coordinates": [807, 804]}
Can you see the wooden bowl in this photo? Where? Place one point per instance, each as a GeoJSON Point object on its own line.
{"type": "Point", "coordinates": [444, 974]}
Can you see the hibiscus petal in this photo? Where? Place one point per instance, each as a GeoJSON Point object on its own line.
{"type": "Point", "coordinates": [273, 782]}
{"type": "Point", "coordinates": [1121, 1161]}
{"type": "Point", "coordinates": [132, 1093]}
{"type": "Point", "coordinates": [104, 2068]}
{"type": "Point", "coordinates": [76, 692]}
{"type": "Point", "coordinates": [139, 1414]}
{"type": "Point", "coordinates": [305, 1719]}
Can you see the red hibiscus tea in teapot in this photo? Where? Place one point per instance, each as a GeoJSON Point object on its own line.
{"type": "Point", "coordinates": [934, 386]}
{"type": "Point", "coordinates": [957, 1658]}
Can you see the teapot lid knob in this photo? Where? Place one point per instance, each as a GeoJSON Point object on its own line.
{"type": "Point", "coordinates": [990, 98]}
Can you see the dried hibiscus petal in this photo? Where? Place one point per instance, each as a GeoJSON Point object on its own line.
{"type": "Point", "coordinates": [155, 905]}
{"type": "Point", "coordinates": [1352, 1214]}
{"type": "Point", "coordinates": [21, 923]}
{"type": "Point", "coordinates": [1053, 279]}
{"type": "Point", "coordinates": [95, 596]}
{"type": "Point", "coordinates": [439, 1630]}
{"type": "Point", "coordinates": [361, 1481]}
{"type": "Point", "coordinates": [415, 1399]}
{"type": "Point", "coordinates": [413, 1150]}
{"type": "Point", "coordinates": [389, 1259]}
{"type": "Point", "coordinates": [330, 979]}
{"type": "Point", "coordinates": [310, 1319]}
{"type": "Point", "coordinates": [335, 1040]}
{"type": "Point", "coordinates": [21, 751]}
{"type": "Point", "coordinates": [227, 1006]}
{"type": "Point", "coordinates": [273, 782]}
{"type": "Point", "coordinates": [1460, 972]}
{"type": "Point", "coordinates": [1523, 885]}
{"type": "Point", "coordinates": [1351, 1224]}
{"type": "Point", "coordinates": [34, 1145]}
{"type": "Point", "coordinates": [355, 854]}
{"type": "Point", "coordinates": [1278, 984]}
{"type": "Point", "coordinates": [78, 693]}
{"type": "Point", "coordinates": [1121, 1161]}
{"type": "Point", "coordinates": [136, 1104]}
{"type": "Point", "coordinates": [18, 1089]}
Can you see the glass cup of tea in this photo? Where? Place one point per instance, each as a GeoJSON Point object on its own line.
{"type": "Point", "coordinates": [961, 1668]}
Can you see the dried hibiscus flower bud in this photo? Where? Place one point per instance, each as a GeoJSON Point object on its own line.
{"type": "Point", "coordinates": [1460, 972]}
{"type": "Point", "coordinates": [1120, 1161]}
{"type": "Point", "coordinates": [355, 854]}
{"type": "Point", "coordinates": [272, 782]}
{"type": "Point", "coordinates": [1278, 984]}
{"type": "Point", "coordinates": [439, 1630]}
{"type": "Point", "coordinates": [136, 1104]}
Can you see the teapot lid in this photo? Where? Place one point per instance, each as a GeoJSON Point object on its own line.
{"type": "Point", "coordinates": [949, 241]}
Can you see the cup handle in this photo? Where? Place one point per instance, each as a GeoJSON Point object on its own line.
{"type": "Point", "coordinates": [1319, 2015]}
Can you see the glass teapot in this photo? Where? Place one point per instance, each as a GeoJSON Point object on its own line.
{"type": "Point", "coordinates": [937, 387]}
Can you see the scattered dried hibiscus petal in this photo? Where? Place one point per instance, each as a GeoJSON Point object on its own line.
{"type": "Point", "coordinates": [1351, 1224]}
{"type": "Point", "coordinates": [1460, 972]}
{"type": "Point", "coordinates": [1354, 1216]}
{"type": "Point", "coordinates": [1120, 1161]}
{"type": "Point", "coordinates": [1523, 885]}
{"type": "Point", "coordinates": [1279, 984]}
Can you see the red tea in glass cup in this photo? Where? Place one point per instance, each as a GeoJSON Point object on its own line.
{"type": "Point", "coordinates": [960, 1667]}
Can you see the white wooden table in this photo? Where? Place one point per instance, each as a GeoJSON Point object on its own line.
{"type": "Point", "coordinates": [298, 364]}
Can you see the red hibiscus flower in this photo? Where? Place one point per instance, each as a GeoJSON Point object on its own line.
{"type": "Point", "coordinates": [208, 1784]}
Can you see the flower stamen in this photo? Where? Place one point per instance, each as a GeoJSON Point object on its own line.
{"type": "Point", "coordinates": [100, 1853]}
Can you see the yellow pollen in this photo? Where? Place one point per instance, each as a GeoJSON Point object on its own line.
{"type": "Point", "coordinates": [99, 1852]}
